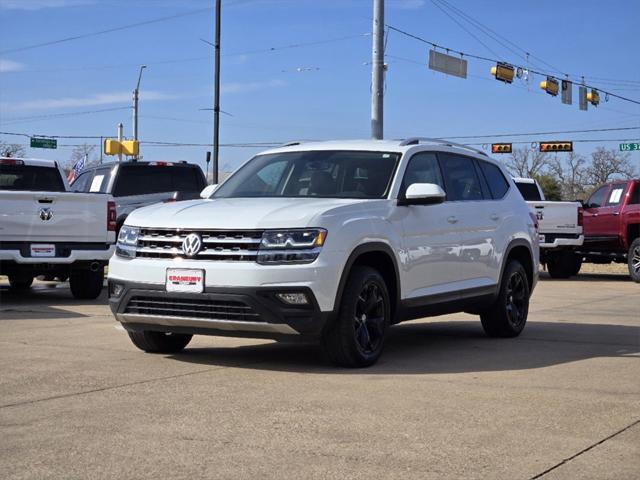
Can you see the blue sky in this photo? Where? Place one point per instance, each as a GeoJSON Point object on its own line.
{"type": "Point", "coordinates": [318, 91]}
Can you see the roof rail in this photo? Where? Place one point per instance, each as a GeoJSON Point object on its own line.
{"type": "Point", "coordinates": [290, 144]}
{"type": "Point", "coordinates": [417, 140]}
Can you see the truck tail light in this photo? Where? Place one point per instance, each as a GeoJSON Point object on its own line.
{"type": "Point", "coordinates": [10, 161]}
{"type": "Point", "coordinates": [534, 219]}
{"type": "Point", "coordinates": [111, 216]}
{"type": "Point", "coordinates": [580, 216]}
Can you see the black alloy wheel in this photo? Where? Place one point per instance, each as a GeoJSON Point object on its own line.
{"type": "Point", "coordinates": [369, 319]}
{"type": "Point", "coordinates": [634, 260]}
{"type": "Point", "coordinates": [516, 299]}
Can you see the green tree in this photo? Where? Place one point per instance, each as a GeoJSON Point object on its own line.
{"type": "Point", "coordinates": [551, 187]}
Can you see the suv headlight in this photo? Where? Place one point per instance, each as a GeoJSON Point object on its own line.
{"type": "Point", "coordinates": [291, 246]}
{"type": "Point", "coordinates": [127, 241]}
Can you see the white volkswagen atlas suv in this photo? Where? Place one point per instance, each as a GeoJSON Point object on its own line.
{"type": "Point", "coordinates": [332, 242]}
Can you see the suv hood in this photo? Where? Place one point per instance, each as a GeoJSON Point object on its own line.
{"type": "Point", "coordinates": [237, 213]}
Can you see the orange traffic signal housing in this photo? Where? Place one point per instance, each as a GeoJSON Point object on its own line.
{"type": "Point", "coordinates": [501, 148]}
{"type": "Point", "coordinates": [556, 146]}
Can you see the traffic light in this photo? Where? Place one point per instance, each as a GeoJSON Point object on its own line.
{"type": "Point", "coordinates": [556, 146]}
{"type": "Point", "coordinates": [503, 72]}
{"type": "Point", "coordinates": [125, 147]}
{"type": "Point", "coordinates": [593, 97]}
{"type": "Point", "coordinates": [550, 85]}
{"type": "Point", "coordinates": [501, 148]}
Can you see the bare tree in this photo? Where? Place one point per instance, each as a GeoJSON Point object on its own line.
{"type": "Point", "coordinates": [609, 165]}
{"type": "Point", "coordinates": [571, 171]}
{"type": "Point", "coordinates": [528, 163]}
{"type": "Point", "coordinates": [11, 150]}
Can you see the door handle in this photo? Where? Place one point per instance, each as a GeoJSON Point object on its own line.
{"type": "Point", "coordinates": [452, 220]}
{"type": "Point", "coordinates": [495, 216]}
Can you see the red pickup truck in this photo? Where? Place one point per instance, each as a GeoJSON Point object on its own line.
{"type": "Point", "coordinates": [611, 225]}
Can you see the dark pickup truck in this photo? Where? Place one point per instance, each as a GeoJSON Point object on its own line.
{"type": "Point", "coordinates": [138, 184]}
{"type": "Point", "coordinates": [612, 226]}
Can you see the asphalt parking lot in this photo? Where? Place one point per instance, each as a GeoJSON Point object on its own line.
{"type": "Point", "coordinates": [77, 400]}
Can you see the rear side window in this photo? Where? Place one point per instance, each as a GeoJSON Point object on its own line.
{"type": "Point", "coordinates": [460, 178]}
{"type": "Point", "coordinates": [186, 179]}
{"type": "Point", "coordinates": [615, 197]}
{"type": "Point", "coordinates": [30, 178]}
{"type": "Point", "coordinates": [498, 185]}
{"type": "Point", "coordinates": [529, 191]}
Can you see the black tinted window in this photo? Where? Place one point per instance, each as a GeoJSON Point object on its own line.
{"type": "Point", "coordinates": [187, 179]}
{"type": "Point", "coordinates": [460, 178]}
{"type": "Point", "coordinates": [329, 174]}
{"type": "Point", "coordinates": [30, 178]}
{"type": "Point", "coordinates": [423, 168]}
{"type": "Point", "coordinates": [144, 179]}
{"type": "Point", "coordinates": [498, 185]}
{"type": "Point", "coordinates": [635, 195]}
{"type": "Point", "coordinates": [529, 191]}
{"type": "Point", "coordinates": [597, 199]}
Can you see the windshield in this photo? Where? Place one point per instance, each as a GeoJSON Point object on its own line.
{"type": "Point", "coordinates": [30, 178]}
{"type": "Point", "coordinates": [324, 174]}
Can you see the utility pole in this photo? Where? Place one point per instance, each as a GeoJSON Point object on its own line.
{"type": "Point", "coordinates": [136, 93]}
{"type": "Point", "coordinates": [216, 96]}
{"type": "Point", "coordinates": [120, 128]}
{"type": "Point", "coordinates": [377, 71]}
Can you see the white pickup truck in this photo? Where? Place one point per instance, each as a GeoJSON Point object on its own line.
{"type": "Point", "coordinates": [560, 229]}
{"type": "Point", "coordinates": [47, 230]}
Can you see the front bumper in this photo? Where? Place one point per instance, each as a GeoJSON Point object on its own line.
{"type": "Point", "coordinates": [253, 312]}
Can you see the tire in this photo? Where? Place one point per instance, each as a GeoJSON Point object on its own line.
{"type": "Point", "coordinates": [508, 315]}
{"type": "Point", "coordinates": [564, 265]}
{"type": "Point", "coordinates": [159, 342]}
{"type": "Point", "coordinates": [356, 338]}
{"type": "Point", "coordinates": [633, 259]}
{"type": "Point", "coordinates": [85, 284]}
{"type": "Point", "coordinates": [20, 283]}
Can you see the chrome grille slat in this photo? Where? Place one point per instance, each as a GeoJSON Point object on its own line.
{"type": "Point", "coordinates": [218, 245]}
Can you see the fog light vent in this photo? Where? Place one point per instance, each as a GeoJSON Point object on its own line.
{"type": "Point", "coordinates": [293, 298]}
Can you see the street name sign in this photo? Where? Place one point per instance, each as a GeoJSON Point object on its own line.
{"type": "Point", "coordinates": [629, 147]}
{"type": "Point", "coordinates": [447, 64]}
{"type": "Point", "coordinates": [37, 142]}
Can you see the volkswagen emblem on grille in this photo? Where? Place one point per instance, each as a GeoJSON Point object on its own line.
{"type": "Point", "coordinates": [191, 244]}
{"type": "Point", "coordinates": [45, 214]}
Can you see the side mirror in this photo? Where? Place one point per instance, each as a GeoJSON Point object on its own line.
{"type": "Point", "coordinates": [208, 190]}
{"type": "Point", "coordinates": [423, 194]}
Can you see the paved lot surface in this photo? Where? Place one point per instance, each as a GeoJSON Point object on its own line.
{"type": "Point", "coordinates": [77, 400]}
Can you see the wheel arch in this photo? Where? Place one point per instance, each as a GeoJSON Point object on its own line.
{"type": "Point", "coordinates": [377, 255]}
{"type": "Point", "coordinates": [633, 232]}
{"type": "Point", "coordinates": [520, 249]}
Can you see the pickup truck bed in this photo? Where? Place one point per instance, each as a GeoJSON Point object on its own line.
{"type": "Point", "coordinates": [52, 232]}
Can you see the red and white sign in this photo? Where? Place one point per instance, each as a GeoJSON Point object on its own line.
{"type": "Point", "coordinates": [43, 250]}
{"type": "Point", "coordinates": [185, 280]}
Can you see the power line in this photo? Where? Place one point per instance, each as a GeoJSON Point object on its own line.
{"type": "Point", "coordinates": [559, 132]}
{"type": "Point", "coordinates": [102, 32]}
{"type": "Point", "coordinates": [58, 115]}
{"type": "Point", "coordinates": [493, 60]}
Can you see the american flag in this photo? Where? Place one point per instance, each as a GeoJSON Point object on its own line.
{"type": "Point", "coordinates": [76, 169]}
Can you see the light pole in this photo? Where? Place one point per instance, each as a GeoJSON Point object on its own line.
{"type": "Point", "coordinates": [136, 93]}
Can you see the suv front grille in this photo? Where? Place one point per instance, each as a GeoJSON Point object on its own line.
{"type": "Point", "coordinates": [192, 308]}
{"type": "Point", "coordinates": [234, 245]}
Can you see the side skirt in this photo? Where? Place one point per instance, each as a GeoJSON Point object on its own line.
{"type": "Point", "coordinates": [472, 301]}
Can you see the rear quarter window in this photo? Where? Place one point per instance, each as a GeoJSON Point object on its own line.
{"type": "Point", "coordinates": [498, 185]}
